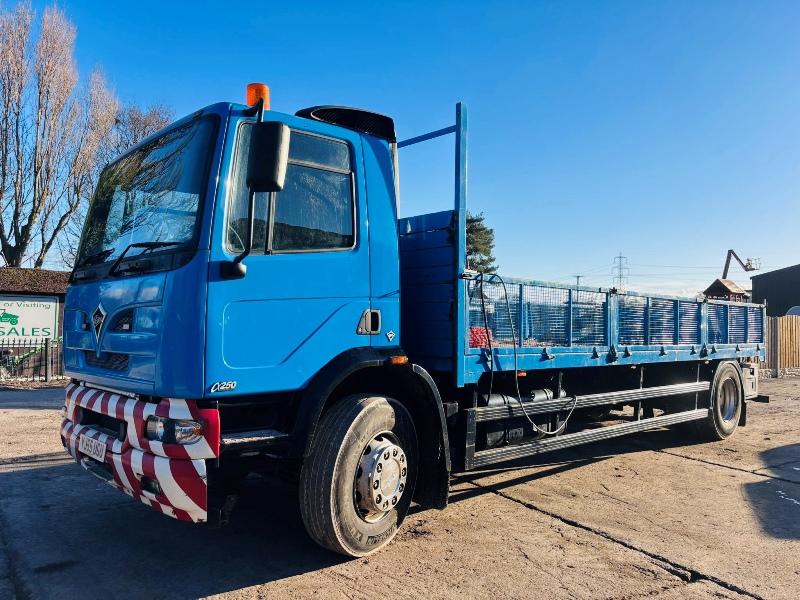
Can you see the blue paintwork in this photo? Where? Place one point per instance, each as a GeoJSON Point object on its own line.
{"type": "Point", "coordinates": [292, 313]}
{"type": "Point", "coordinates": [165, 348]}
{"type": "Point", "coordinates": [384, 264]}
{"type": "Point", "coordinates": [427, 260]}
{"type": "Point", "coordinates": [432, 255]}
{"type": "Point", "coordinates": [436, 311]}
{"type": "Point", "coordinates": [460, 221]}
{"type": "Point", "coordinates": [274, 329]}
{"type": "Point", "coordinates": [688, 338]}
{"type": "Point", "coordinates": [429, 136]}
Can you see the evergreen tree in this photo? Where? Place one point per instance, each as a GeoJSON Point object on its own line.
{"type": "Point", "coordinates": [480, 244]}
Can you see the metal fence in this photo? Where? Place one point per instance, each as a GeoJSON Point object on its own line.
{"type": "Point", "coordinates": [548, 315]}
{"type": "Point", "coordinates": [37, 359]}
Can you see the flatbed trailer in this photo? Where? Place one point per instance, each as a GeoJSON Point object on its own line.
{"type": "Point", "coordinates": [533, 325]}
{"type": "Point", "coordinates": [380, 364]}
{"type": "Point", "coordinates": [467, 326]}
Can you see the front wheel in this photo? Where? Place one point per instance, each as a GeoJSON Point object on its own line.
{"type": "Point", "coordinates": [357, 482]}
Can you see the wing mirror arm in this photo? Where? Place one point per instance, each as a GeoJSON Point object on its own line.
{"type": "Point", "coordinates": [236, 269]}
{"type": "Point", "coordinates": [266, 173]}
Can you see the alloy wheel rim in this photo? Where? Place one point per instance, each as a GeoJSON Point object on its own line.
{"type": "Point", "coordinates": [380, 478]}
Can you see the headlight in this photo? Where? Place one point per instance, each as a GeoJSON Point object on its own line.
{"type": "Point", "coordinates": [173, 431]}
{"type": "Point", "coordinates": [156, 428]}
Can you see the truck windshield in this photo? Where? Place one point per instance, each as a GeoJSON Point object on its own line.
{"type": "Point", "coordinates": [152, 194]}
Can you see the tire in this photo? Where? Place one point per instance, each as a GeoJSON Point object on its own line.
{"type": "Point", "coordinates": [727, 398]}
{"type": "Point", "coordinates": [342, 463]}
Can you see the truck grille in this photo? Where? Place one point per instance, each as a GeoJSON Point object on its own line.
{"type": "Point", "coordinates": [112, 361]}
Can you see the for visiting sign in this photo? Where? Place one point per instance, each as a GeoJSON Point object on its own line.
{"type": "Point", "coordinates": [28, 317]}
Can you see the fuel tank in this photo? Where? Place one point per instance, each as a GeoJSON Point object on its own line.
{"type": "Point", "coordinates": [518, 430]}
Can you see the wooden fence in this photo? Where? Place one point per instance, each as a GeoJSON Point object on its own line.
{"type": "Point", "coordinates": [783, 346]}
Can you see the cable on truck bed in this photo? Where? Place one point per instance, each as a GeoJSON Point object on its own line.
{"type": "Point", "coordinates": [563, 426]}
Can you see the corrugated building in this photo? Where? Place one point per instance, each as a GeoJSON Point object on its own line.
{"type": "Point", "coordinates": [779, 289]}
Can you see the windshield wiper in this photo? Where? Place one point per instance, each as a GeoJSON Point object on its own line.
{"type": "Point", "coordinates": [96, 257]}
{"type": "Point", "coordinates": [148, 246]}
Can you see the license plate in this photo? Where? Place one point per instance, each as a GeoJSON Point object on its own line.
{"type": "Point", "coordinates": [91, 447]}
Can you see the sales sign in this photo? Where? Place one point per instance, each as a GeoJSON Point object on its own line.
{"type": "Point", "coordinates": [25, 318]}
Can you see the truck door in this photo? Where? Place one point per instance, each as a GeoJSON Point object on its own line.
{"type": "Point", "coordinates": [307, 282]}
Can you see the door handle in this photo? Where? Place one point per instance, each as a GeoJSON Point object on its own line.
{"type": "Point", "coordinates": [369, 323]}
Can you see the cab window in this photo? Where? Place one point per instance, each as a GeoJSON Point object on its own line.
{"type": "Point", "coordinates": [314, 212]}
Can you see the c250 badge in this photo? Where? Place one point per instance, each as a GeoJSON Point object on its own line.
{"type": "Point", "coordinates": [223, 386]}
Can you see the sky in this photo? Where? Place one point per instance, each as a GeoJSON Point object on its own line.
{"type": "Point", "coordinates": [667, 132]}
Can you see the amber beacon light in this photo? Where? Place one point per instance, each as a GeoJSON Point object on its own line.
{"type": "Point", "coordinates": [256, 92]}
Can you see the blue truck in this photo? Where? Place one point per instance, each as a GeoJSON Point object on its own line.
{"type": "Point", "coordinates": [246, 299]}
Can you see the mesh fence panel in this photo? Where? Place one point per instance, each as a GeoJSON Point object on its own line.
{"type": "Point", "coordinates": [737, 325]}
{"type": "Point", "coordinates": [588, 318]}
{"type": "Point", "coordinates": [541, 317]}
{"type": "Point", "coordinates": [755, 325]}
{"type": "Point", "coordinates": [496, 310]}
{"type": "Point", "coordinates": [689, 332]}
{"type": "Point", "coordinates": [717, 324]}
{"type": "Point", "coordinates": [632, 320]}
{"type": "Point", "coordinates": [662, 321]}
{"type": "Point", "coordinates": [545, 315]}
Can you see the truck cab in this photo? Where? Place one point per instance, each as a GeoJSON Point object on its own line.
{"type": "Point", "coordinates": [210, 321]}
{"type": "Point", "coordinates": [151, 309]}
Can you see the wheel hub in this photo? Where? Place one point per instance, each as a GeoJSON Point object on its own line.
{"type": "Point", "coordinates": [380, 478]}
{"type": "Point", "coordinates": [727, 399]}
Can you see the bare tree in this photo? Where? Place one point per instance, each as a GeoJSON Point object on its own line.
{"type": "Point", "coordinates": [51, 131]}
{"type": "Point", "coordinates": [131, 126]}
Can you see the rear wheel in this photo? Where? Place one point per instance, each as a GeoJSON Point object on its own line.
{"type": "Point", "coordinates": [357, 482]}
{"type": "Point", "coordinates": [727, 397]}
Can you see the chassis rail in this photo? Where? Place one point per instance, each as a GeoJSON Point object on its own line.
{"type": "Point", "coordinates": [495, 413]}
{"type": "Point", "coordinates": [642, 420]}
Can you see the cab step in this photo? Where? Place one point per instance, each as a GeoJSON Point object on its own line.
{"type": "Point", "coordinates": [251, 439]}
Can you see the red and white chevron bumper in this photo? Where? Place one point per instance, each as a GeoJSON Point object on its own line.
{"type": "Point", "coordinates": [132, 461]}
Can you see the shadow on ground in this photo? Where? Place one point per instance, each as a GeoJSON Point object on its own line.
{"type": "Point", "coordinates": [775, 499]}
{"type": "Point", "coordinates": [776, 502]}
{"type": "Point", "coordinates": [60, 524]}
{"type": "Point", "coordinates": [580, 456]}
{"type": "Point", "coordinates": [41, 398]}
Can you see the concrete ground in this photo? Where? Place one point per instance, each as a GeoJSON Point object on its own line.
{"type": "Point", "coordinates": [646, 516]}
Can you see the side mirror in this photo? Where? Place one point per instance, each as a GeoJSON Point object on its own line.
{"type": "Point", "coordinates": [269, 155]}
{"type": "Point", "coordinates": [266, 173]}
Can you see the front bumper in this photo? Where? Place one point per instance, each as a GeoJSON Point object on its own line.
{"type": "Point", "coordinates": [131, 459]}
